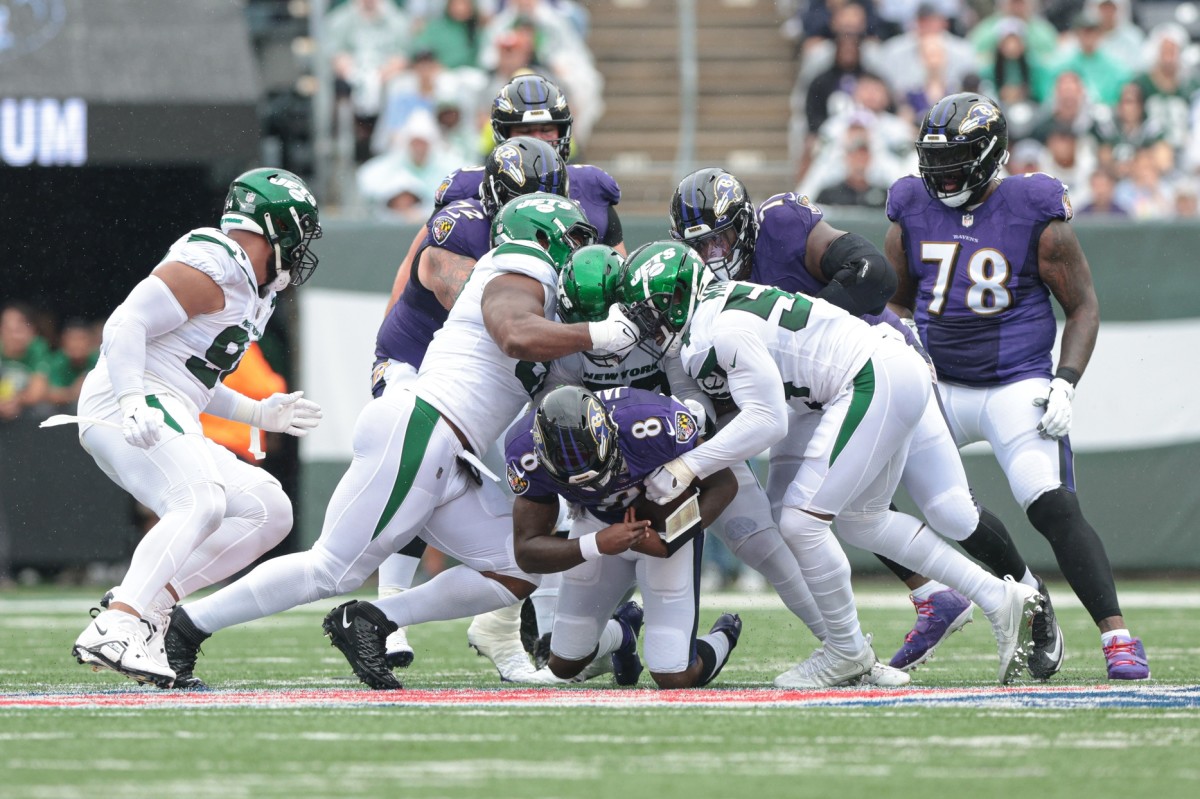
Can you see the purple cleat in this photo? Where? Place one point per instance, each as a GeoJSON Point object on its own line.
{"type": "Point", "coordinates": [943, 613]}
{"type": "Point", "coordinates": [1127, 659]}
{"type": "Point", "coordinates": [626, 664]}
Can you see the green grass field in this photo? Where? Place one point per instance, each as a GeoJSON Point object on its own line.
{"type": "Point", "coordinates": [457, 732]}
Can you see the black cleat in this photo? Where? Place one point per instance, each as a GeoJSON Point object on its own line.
{"type": "Point", "coordinates": [626, 664]}
{"type": "Point", "coordinates": [529, 627]}
{"type": "Point", "coordinates": [731, 625]}
{"type": "Point", "coordinates": [359, 630]}
{"type": "Point", "coordinates": [541, 652]}
{"type": "Point", "coordinates": [1047, 656]}
{"type": "Point", "coordinates": [182, 644]}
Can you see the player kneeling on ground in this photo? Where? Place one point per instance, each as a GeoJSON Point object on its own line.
{"type": "Point", "coordinates": [595, 450]}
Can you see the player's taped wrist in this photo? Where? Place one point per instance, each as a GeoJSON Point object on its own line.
{"type": "Point", "coordinates": [588, 548]}
{"type": "Point", "coordinates": [130, 403]}
{"type": "Point", "coordinates": [1070, 375]}
{"type": "Point", "coordinates": [235, 406]}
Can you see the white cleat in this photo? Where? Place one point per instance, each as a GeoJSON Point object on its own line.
{"type": "Point", "coordinates": [542, 676]}
{"type": "Point", "coordinates": [499, 640]}
{"type": "Point", "coordinates": [1012, 625]}
{"type": "Point", "coordinates": [399, 652]}
{"type": "Point", "coordinates": [882, 675]}
{"type": "Point", "coordinates": [827, 668]}
{"type": "Point", "coordinates": [118, 641]}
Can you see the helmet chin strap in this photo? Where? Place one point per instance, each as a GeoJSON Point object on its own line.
{"type": "Point", "coordinates": [282, 277]}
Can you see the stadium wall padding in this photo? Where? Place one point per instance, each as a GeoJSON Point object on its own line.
{"type": "Point", "coordinates": [1137, 432]}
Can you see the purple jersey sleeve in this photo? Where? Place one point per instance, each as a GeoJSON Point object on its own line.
{"type": "Point", "coordinates": [596, 191]}
{"type": "Point", "coordinates": [784, 222]}
{"type": "Point", "coordinates": [461, 184]}
{"type": "Point", "coordinates": [461, 227]}
{"type": "Point", "coordinates": [525, 479]}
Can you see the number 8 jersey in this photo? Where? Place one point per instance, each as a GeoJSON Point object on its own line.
{"type": "Point", "coordinates": [984, 314]}
{"type": "Point", "coordinates": [188, 361]}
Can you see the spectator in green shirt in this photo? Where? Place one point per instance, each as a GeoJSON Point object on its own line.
{"type": "Point", "coordinates": [23, 356]}
{"type": "Point", "coordinates": [1103, 76]}
{"type": "Point", "coordinates": [78, 349]}
{"type": "Point", "coordinates": [454, 35]}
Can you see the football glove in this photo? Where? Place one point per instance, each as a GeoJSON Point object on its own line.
{"type": "Point", "coordinates": [668, 481]}
{"type": "Point", "coordinates": [1056, 421]}
{"type": "Point", "coordinates": [617, 334]}
{"type": "Point", "coordinates": [141, 425]}
{"type": "Point", "coordinates": [287, 413]}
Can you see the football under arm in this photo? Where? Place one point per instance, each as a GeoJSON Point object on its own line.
{"type": "Point", "coordinates": [512, 313]}
{"type": "Point", "coordinates": [537, 549]}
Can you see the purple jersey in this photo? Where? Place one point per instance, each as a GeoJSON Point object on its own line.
{"type": "Point", "coordinates": [984, 314]}
{"type": "Point", "coordinates": [461, 227]}
{"type": "Point", "coordinates": [784, 222]}
{"type": "Point", "coordinates": [651, 430]}
{"type": "Point", "coordinates": [594, 189]}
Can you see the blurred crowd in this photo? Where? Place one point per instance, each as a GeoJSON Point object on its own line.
{"type": "Point", "coordinates": [42, 363]}
{"type": "Point", "coordinates": [418, 77]}
{"type": "Point", "coordinates": [1101, 94]}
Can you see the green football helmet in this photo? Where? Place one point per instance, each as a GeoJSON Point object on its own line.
{"type": "Point", "coordinates": [587, 288]}
{"type": "Point", "coordinates": [659, 290]}
{"type": "Point", "coordinates": [278, 206]}
{"type": "Point", "coordinates": [554, 224]}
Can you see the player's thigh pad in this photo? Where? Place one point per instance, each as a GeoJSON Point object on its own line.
{"type": "Point", "coordinates": [670, 598]}
{"type": "Point", "coordinates": [588, 596]}
{"type": "Point", "coordinates": [787, 455]}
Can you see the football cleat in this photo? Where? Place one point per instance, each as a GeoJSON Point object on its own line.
{"type": "Point", "coordinates": [945, 612]}
{"type": "Point", "coordinates": [1012, 624]}
{"type": "Point", "coordinates": [529, 627]}
{"type": "Point", "coordinates": [181, 643]}
{"type": "Point", "coordinates": [117, 640]}
{"type": "Point", "coordinates": [626, 664]}
{"type": "Point", "coordinates": [541, 652]}
{"type": "Point", "coordinates": [1047, 656]}
{"type": "Point", "coordinates": [731, 625]}
{"type": "Point", "coordinates": [881, 675]}
{"type": "Point", "coordinates": [358, 630]}
{"type": "Point", "coordinates": [399, 651]}
{"type": "Point", "coordinates": [498, 641]}
{"type": "Point", "coordinates": [154, 627]}
{"type": "Point", "coordinates": [1127, 659]}
{"type": "Point", "coordinates": [827, 668]}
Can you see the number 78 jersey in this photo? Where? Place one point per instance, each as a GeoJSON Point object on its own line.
{"type": "Point", "coordinates": [983, 311]}
{"type": "Point", "coordinates": [816, 347]}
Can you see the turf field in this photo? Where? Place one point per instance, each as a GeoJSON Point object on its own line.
{"type": "Point", "coordinates": [288, 720]}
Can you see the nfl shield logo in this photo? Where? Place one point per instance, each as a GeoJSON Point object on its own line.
{"type": "Point", "coordinates": [968, 220]}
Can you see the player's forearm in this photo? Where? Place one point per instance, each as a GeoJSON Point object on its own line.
{"type": "Point", "coordinates": [751, 432]}
{"type": "Point", "coordinates": [1078, 341]}
{"type": "Point", "coordinates": [548, 554]}
{"type": "Point", "coordinates": [716, 492]}
{"type": "Point", "coordinates": [530, 337]}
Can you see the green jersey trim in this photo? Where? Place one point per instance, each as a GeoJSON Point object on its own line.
{"type": "Point", "coordinates": [154, 402]}
{"type": "Point", "coordinates": [420, 427]}
{"type": "Point", "coordinates": [864, 394]}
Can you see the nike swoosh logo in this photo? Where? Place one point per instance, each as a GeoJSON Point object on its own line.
{"type": "Point", "coordinates": [101, 630]}
{"type": "Point", "coordinates": [1054, 653]}
{"type": "Point", "coordinates": [345, 620]}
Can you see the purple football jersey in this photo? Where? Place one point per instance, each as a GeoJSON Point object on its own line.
{"type": "Point", "coordinates": [461, 227]}
{"type": "Point", "coordinates": [594, 189]}
{"type": "Point", "coordinates": [651, 430]}
{"type": "Point", "coordinates": [784, 222]}
{"type": "Point", "coordinates": [984, 314]}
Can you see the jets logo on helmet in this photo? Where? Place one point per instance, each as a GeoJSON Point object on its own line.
{"type": "Point", "coordinates": [442, 227]}
{"type": "Point", "coordinates": [728, 192]}
{"type": "Point", "coordinates": [981, 115]}
{"type": "Point", "coordinates": [509, 158]}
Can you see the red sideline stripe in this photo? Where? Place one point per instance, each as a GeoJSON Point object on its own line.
{"type": "Point", "coordinates": [547, 696]}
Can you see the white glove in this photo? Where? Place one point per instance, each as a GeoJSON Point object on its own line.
{"type": "Point", "coordinates": [697, 410]}
{"type": "Point", "coordinates": [617, 334]}
{"type": "Point", "coordinates": [142, 425]}
{"type": "Point", "coordinates": [1056, 421]}
{"type": "Point", "coordinates": [668, 481]}
{"type": "Point", "coordinates": [288, 413]}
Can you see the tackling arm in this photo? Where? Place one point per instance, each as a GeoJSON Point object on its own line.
{"type": "Point", "coordinates": [1064, 269]}
{"type": "Point", "coordinates": [513, 314]}
{"type": "Point", "coordinates": [444, 273]}
{"type": "Point", "coordinates": [860, 280]}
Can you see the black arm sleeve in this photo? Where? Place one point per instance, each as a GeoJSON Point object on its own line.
{"type": "Point", "coordinates": [614, 235]}
{"type": "Point", "coordinates": [861, 280]}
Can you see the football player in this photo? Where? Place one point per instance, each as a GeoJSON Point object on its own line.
{"type": "Point", "coordinates": [458, 236]}
{"type": "Point", "coordinates": [414, 468]}
{"type": "Point", "coordinates": [777, 353]}
{"type": "Point", "coordinates": [978, 258]}
{"type": "Point", "coordinates": [594, 450]}
{"type": "Point", "coordinates": [165, 352]}
{"type": "Point", "coordinates": [788, 244]}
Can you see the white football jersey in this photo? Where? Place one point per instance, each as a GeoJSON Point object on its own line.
{"type": "Point", "coordinates": [464, 374]}
{"type": "Point", "coordinates": [638, 369]}
{"type": "Point", "coordinates": [817, 347]}
{"type": "Point", "coordinates": [188, 361]}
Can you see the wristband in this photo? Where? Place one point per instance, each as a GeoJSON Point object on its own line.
{"type": "Point", "coordinates": [588, 547]}
{"type": "Point", "coordinates": [1068, 374]}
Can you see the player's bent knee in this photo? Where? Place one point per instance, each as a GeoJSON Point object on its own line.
{"type": "Point", "coordinates": [952, 514]}
{"type": "Point", "coordinates": [203, 502]}
{"type": "Point", "coordinates": [671, 681]}
{"type": "Point", "coordinates": [565, 669]}
{"type": "Point", "coordinates": [1055, 510]}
